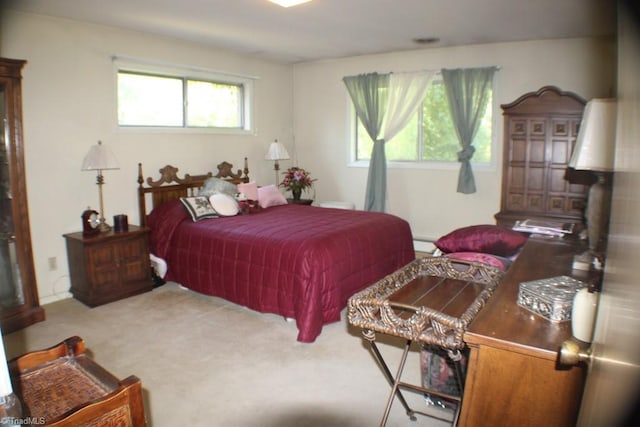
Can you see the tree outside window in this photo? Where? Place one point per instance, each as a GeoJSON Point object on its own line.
{"type": "Point", "coordinates": [430, 135]}
{"type": "Point", "coordinates": [154, 100]}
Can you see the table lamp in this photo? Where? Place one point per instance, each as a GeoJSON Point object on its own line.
{"type": "Point", "coordinates": [100, 158]}
{"type": "Point", "coordinates": [594, 151]}
{"type": "Point", "coordinates": [277, 152]}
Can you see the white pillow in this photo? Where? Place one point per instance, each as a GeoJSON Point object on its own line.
{"type": "Point", "coordinates": [224, 204]}
{"type": "Point", "coordinates": [269, 195]}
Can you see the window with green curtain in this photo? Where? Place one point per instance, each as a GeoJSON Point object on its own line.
{"type": "Point", "coordinates": [430, 135]}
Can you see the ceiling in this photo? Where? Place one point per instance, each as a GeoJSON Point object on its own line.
{"type": "Point", "coordinates": [324, 29]}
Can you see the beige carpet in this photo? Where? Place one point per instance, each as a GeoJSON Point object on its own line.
{"type": "Point", "coordinates": [206, 362]}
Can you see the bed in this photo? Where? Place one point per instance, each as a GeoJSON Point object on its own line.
{"type": "Point", "coordinates": [301, 262]}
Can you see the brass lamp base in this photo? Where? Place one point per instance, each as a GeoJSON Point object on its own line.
{"type": "Point", "coordinates": [597, 212]}
{"type": "Point", "coordinates": [276, 167]}
{"type": "Point", "coordinates": [103, 226]}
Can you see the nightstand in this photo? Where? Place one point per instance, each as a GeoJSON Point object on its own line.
{"type": "Point", "coordinates": [109, 266]}
{"type": "Point", "coordinates": [300, 202]}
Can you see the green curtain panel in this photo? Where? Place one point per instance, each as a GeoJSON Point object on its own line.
{"type": "Point", "coordinates": [385, 104]}
{"type": "Point", "coordinates": [371, 103]}
{"type": "Point", "coordinates": [468, 92]}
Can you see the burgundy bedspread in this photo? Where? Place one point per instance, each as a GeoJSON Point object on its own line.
{"type": "Point", "coordinates": [302, 262]}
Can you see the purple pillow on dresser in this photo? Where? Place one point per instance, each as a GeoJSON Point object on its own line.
{"type": "Point", "coordinates": [488, 239]}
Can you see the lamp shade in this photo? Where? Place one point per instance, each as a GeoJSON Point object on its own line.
{"type": "Point", "coordinates": [596, 138]}
{"type": "Point", "coordinates": [277, 151]}
{"type": "Point", "coordinates": [99, 157]}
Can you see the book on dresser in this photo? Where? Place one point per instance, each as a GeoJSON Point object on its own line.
{"type": "Point", "coordinates": [543, 227]}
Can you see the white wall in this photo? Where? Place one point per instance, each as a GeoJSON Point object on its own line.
{"type": "Point", "coordinates": [428, 198]}
{"type": "Point", "coordinates": [69, 104]}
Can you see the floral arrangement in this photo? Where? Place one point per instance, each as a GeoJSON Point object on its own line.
{"type": "Point", "coordinates": [296, 179]}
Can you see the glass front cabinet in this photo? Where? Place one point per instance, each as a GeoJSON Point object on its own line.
{"type": "Point", "coordinates": [19, 306]}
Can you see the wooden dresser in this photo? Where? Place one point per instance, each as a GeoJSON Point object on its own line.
{"type": "Point", "coordinates": [540, 130]}
{"type": "Point", "coordinates": [109, 266]}
{"type": "Point", "coordinates": [512, 377]}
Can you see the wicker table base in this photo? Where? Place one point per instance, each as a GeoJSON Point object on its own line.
{"type": "Point", "coordinates": [431, 301]}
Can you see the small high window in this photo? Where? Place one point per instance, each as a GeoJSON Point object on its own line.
{"type": "Point", "coordinates": [153, 99]}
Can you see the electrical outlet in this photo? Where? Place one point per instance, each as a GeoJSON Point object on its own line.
{"type": "Point", "coordinates": [53, 263]}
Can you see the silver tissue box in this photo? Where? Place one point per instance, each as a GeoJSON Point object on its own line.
{"type": "Point", "coordinates": [550, 298]}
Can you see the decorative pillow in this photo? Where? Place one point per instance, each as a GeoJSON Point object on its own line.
{"type": "Point", "coordinates": [224, 204]}
{"type": "Point", "coordinates": [489, 239]}
{"type": "Point", "coordinates": [269, 195]}
{"type": "Point", "coordinates": [198, 207]}
{"type": "Point", "coordinates": [250, 189]}
{"type": "Point", "coordinates": [488, 259]}
{"type": "Point", "coordinates": [217, 185]}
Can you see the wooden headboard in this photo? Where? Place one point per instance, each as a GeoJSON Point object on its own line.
{"type": "Point", "coordinates": [170, 186]}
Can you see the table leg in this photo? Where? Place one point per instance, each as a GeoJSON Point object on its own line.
{"type": "Point", "coordinates": [394, 382]}
{"type": "Point", "coordinates": [461, 383]}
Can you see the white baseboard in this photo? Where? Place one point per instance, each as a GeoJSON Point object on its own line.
{"type": "Point", "coordinates": [53, 298]}
{"type": "Point", "coordinates": [423, 246]}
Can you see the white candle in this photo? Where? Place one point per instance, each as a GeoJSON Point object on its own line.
{"type": "Point", "coordinates": [583, 314]}
{"type": "Point", "coordinates": [5, 379]}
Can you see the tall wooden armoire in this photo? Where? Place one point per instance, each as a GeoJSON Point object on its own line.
{"type": "Point", "coordinates": [540, 130]}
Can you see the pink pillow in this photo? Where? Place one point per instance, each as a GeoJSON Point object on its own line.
{"type": "Point", "coordinates": [489, 239]}
{"type": "Point", "coordinates": [487, 259]}
{"type": "Point", "coordinates": [249, 189]}
{"type": "Point", "coordinates": [269, 195]}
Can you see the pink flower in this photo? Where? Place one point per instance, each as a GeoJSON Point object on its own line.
{"type": "Point", "coordinates": [296, 178]}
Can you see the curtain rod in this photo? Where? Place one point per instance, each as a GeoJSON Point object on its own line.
{"type": "Point", "coordinates": [497, 67]}
{"type": "Point", "coordinates": [437, 72]}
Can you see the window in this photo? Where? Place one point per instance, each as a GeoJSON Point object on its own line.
{"type": "Point", "coordinates": [149, 99]}
{"type": "Point", "coordinates": [430, 135]}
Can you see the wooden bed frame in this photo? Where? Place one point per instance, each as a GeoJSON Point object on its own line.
{"type": "Point", "coordinates": [170, 186]}
{"type": "Point", "coordinates": [283, 261]}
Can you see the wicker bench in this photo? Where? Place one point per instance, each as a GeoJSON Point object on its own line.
{"type": "Point", "coordinates": [62, 386]}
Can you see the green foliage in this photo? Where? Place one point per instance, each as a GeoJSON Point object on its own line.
{"type": "Point", "coordinates": [154, 100]}
{"type": "Point", "coordinates": [439, 140]}
{"type": "Point", "coordinates": [213, 104]}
